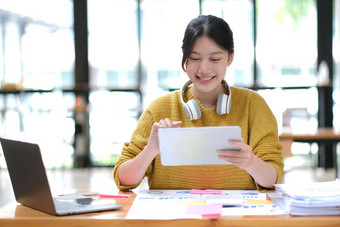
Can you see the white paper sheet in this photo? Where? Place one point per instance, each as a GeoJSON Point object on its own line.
{"type": "Point", "coordinates": [177, 204]}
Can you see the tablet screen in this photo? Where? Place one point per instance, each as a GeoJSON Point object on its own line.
{"type": "Point", "coordinates": [196, 145]}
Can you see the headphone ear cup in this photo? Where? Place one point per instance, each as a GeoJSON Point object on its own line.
{"type": "Point", "coordinates": [187, 111]}
{"type": "Point", "coordinates": [223, 104]}
{"type": "Point", "coordinates": [228, 104]}
{"type": "Point", "coordinates": [192, 110]}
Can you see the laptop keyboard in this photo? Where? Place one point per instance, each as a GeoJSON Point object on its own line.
{"type": "Point", "coordinates": [82, 206]}
{"type": "Point", "coordinates": [69, 207]}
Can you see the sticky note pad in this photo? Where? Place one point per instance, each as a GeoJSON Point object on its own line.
{"type": "Point", "coordinates": [197, 191]}
{"type": "Point", "coordinates": [207, 209]}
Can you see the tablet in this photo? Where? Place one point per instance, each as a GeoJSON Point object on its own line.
{"type": "Point", "coordinates": [195, 145]}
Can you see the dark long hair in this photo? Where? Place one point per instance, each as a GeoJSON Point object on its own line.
{"type": "Point", "coordinates": [210, 26]}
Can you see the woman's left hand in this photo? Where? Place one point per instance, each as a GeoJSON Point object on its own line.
{"type": "Point", "coordinates": [241, 158]}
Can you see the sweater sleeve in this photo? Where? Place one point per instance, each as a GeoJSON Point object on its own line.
{"type": "Point", "coordinates": [131, 149]}
{"type": "Point", "coordinates": [263, 135]}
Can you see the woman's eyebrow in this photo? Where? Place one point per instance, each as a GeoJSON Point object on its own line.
{"type": "Point", "coordinates": [217, 52]}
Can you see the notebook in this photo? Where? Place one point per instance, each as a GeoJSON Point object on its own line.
{"type": "Point", "coordinates": [195, 145]}
{"type": "Point", "coordinates": [31, 187]}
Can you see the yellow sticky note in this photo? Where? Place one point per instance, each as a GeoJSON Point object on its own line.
{"type": "Point", "coordinates": [193, 202]}
{"type": "Point", "coordinates": [259, 202]}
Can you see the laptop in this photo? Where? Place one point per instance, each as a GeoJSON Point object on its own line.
{"type": "Point", "coordinates": [196, 145]}
{"type": "Point", "coordinates": [31, 188]}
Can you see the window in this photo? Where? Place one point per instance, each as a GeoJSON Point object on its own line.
{"type": "Point", "coordinates": [134, 55]}
{"type": "Point", "coordinates": [163, 24]}
{"type": "Point", "coordinates": [38, 43]}
{"type": "Point", "coordinates": [286, 48]}
{"type": "Point", "coordinates": [113, 43]}
{"type": "Point", "coordinates": [37, 52]}
{"type": "Point", "coordinates": [113, 60]}
{"type": "Point", "coordinates": [239, 16]}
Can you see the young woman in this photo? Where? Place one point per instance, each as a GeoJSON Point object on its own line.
{"type": "Point", "coordinates": [206, 100]}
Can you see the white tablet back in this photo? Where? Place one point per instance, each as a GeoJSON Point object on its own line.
{"type": "Point", "coordinates": [195, 145]}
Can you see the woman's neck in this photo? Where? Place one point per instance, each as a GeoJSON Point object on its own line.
{"type": "Point", "coordinates": [208, 100]}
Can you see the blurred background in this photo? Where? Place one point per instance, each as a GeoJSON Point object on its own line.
{"type": "Point", "coordinates": [76, 75]}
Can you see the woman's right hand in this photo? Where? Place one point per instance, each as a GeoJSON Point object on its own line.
{"type": "Point", "coordinates": [132, 171]}
{"type": "Point", "coordinates": [153, 145]}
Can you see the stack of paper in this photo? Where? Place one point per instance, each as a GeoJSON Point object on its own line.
{"type": "Point", "coordinates": [317, 198]}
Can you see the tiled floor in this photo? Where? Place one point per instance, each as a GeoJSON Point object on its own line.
{"type": "Point", "coordinates": [100, 180]}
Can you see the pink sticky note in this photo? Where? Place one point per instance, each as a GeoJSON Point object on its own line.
{"type": "Point", "coordinates": [207, 209]}
{"type": "Point", "coordinates": [197, 191]}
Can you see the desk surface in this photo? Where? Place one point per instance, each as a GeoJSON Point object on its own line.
{"type": "Point", "coordinates": [16, 215]}
{"type": "Point", "coordinates": [323, 133]}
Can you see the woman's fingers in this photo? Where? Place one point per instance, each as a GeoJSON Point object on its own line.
{"type": "Point", "coordinates": [167, 123]}
{"type": "Point", "coordinates": [240, 158]}
{"type": "Point", "coordinates": [177, 123]}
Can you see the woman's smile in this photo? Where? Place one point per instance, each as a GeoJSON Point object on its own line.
{"type": "Point", "coordinates": [205, 78]}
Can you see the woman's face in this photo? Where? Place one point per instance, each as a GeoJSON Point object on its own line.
{"type": "Point", "coordinates": [207, 66]}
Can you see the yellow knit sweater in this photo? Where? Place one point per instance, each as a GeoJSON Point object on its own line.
{"type": "Point", "coordinates": [248, 110]}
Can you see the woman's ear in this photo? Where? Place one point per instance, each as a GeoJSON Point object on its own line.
{"type": "Point", "coordinates": [230, 57]}
{"type": "Point", "coordinates": [184, 67]}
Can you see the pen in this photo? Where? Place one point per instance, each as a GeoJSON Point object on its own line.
{"type": "Point", "coordinates": [114, 196]}
{"type": "Point", "coordinates": [227, 206]}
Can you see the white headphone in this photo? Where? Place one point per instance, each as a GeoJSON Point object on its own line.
{"type": "Point", "coordinates": [192, 109]}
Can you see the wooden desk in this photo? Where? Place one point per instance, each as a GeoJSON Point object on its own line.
{"type": "Point", "coordinates": [319, 135]}
{"type": "Point", "coordinates": [17, 215]}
